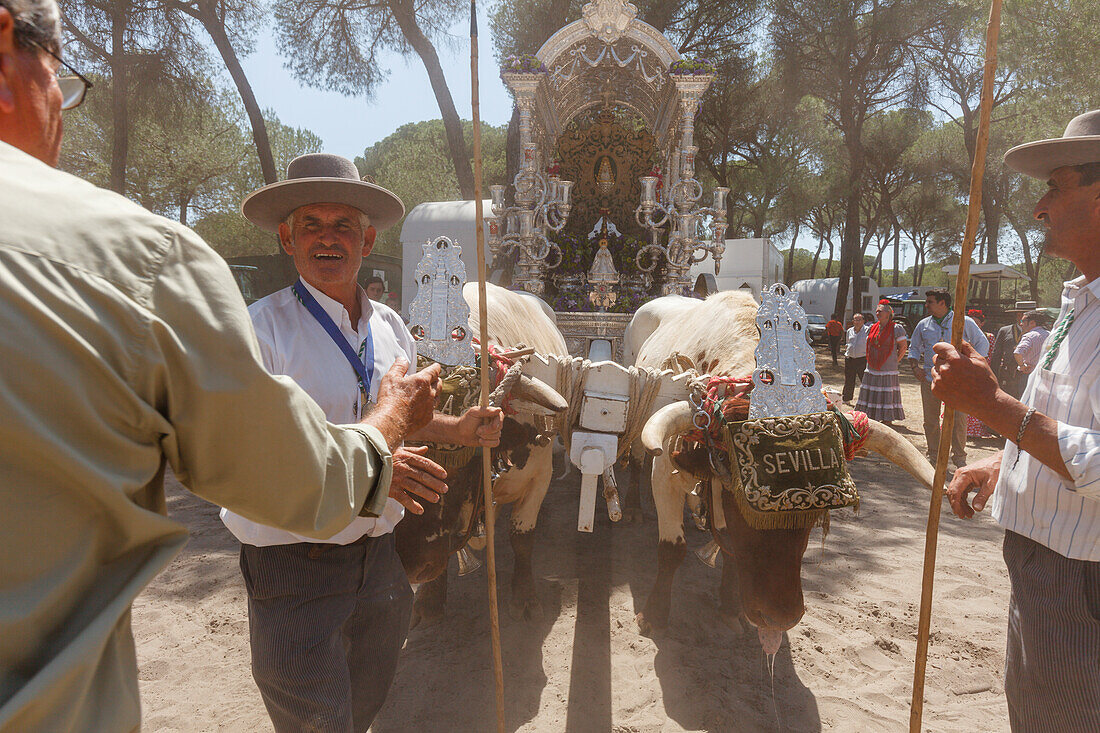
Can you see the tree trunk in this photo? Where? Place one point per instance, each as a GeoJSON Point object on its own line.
{"type": "Point", "coordinates": [1031, 267]}
{"type": "Point", "coordinates": [849, 252]}
{"type": "Point", "coordinates": [829, 264]}
{"type": "Point", "coordinates": [789, 275]}
{"type": "Point", "coordinates": [992, 214]}
{"type": "Point", "coordinates": [120, 104]}
{"type": "Point", "coordinates": [897, 250]}
{"type": "Point", "coordinates": [850, 249]}
{"type": "Point", "coordinates": [405, 15]}
{"type": "Point", "coordinates": [817, 256]}
{"type": "Point", "coordinates": [209, 19]}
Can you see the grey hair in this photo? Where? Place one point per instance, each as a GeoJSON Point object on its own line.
{"type": "Point", "coordinates": [1090, 172]}
{"type": "Point", "coordinates": [364, 220]}
{"type": "Point", "coordinates": [37, 23]}
{"type": "Point", "coordinates": [887, 306]}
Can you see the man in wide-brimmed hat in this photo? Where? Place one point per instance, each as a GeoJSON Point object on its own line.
{"type": "Point", "coordinates": [1047, 497]}
{"type": "Point", "coordinates": [328, 617]}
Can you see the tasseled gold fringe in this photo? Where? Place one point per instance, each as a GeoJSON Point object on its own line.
{"type": "Point", "coordinates": [782, 520]}
{"type": "Point", "coordinates": [452, 459]}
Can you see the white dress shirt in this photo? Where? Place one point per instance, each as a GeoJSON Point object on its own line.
{"type": "Point", "coordinates": [293, 343]}
{"type": "Point", "coordinates": [928, 333]}
{"type": "Point", "coordinates": [857, 342]}
{"type": "Point", "coordinates": [1032, 500]}
{"type": "Point", "coordinates": [1031, 346]}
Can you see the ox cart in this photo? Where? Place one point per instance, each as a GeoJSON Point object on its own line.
{"type": "Point", "coordinates": [604, 215]}
{"type": "Point", "coordinates": [594, 241]}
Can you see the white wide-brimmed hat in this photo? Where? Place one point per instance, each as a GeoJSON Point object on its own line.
{"type": "Point", "coordinates": [1080, 143]}
{"type": "Point", "coordinates": [320, 178]}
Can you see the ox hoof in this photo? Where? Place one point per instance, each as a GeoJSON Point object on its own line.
{"type": "Point", "coordinates": [648, 626]}
{"type": "Point", "coordinates": [632, 515]}
{"type": "Point", "coordinates": [525, 609]}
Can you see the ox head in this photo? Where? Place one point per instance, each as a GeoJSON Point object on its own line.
{"type": "Point", "coordinates": [768, 561]}
{"type": "Point", "coordinates": [425, 541]}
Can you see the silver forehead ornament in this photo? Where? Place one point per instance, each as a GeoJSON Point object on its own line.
{"type": "Point", "coordinates": [785, 381]}
{"type": "Point", "coordinates": [438, 315]}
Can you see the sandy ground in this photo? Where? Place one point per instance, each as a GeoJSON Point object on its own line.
{"type": "Point", "coordinates": [584, 667]}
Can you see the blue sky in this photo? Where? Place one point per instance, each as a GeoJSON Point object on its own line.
{"type": "Point", "coordinates": [350, 124]}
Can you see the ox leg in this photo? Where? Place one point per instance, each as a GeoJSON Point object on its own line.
{"type": "Point", "coordinates": [428, 602]}
{"type": "Point", "coordinates": [632, 490]}
{"type": "Point", "coordinates": [729, 598]}
{"type": "Point", "coordinates": [524, 603]}
{"type": "Point", "coordinates": [669, 491]}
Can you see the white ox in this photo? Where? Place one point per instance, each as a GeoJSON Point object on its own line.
{"type": "Point", "coordinates": [761, 575]}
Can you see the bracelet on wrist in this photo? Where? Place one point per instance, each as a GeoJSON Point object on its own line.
{"type": "Point", "coordinates": [1020, 433]}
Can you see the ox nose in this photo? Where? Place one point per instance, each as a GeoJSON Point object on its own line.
{"type": "Point", "coordinates": [780, 620]}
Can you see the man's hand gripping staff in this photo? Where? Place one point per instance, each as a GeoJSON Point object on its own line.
{"type": "Point", "coordinates": [406, 409]}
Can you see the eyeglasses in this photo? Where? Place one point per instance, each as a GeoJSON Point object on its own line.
{"type": "Point", "coordinates": [73, 88]}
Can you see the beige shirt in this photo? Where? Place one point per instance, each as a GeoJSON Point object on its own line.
{"type": "Point", "coordinates": [125, 344]}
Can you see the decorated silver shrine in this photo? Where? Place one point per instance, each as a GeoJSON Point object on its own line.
{"type": "Point", "coordinates": [604, 211]}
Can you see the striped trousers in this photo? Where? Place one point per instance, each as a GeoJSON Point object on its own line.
{"type": "Point", "coordinates": [1052, 668]}
{"type": "Point", "coordinates": [326, 626]}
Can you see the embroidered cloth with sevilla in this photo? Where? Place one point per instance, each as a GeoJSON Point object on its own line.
{"type": "Point", "coordinates": [785, 471]}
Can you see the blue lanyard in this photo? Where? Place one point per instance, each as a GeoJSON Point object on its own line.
{"type": "Point", "coordinates": [359, 365]}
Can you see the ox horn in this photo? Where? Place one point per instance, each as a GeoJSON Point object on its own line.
{"type": "Point", "coordinates": [533, 396]}
{"type": "Point", "coordinates": [669, 420]}
{"type": "Point", "coordinates": [899, 451]}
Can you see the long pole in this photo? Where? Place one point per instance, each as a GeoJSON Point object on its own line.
{"type": "Point", "coordinates": [977, 173]}
{"type": "Point", "coordinates": [483, 319]}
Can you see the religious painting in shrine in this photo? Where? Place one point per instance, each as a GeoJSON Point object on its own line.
{"type": "Point", "coordinates": [605, 151]}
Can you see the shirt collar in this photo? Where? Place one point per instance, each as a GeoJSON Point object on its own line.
{"type": "Point", "coordinates": [1076, 288]}
{"type": "Point", "coordinates": [336, 310]}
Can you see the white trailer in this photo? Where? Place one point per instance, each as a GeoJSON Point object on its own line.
{"type": "Point", "coordinates": [430, 220]}
{"type": "Point", "coordinates": [748, 264]}
{"type": "Point", "coordinates": [819, 296]}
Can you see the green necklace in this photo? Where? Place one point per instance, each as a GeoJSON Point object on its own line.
{"type": "Point", "coordinates": [1057, 338]}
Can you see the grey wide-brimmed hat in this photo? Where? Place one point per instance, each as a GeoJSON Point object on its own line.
{"type": "Point", "coordinates": [1080, 143]}
{"type": "Point", "coordinates": [320, 178]}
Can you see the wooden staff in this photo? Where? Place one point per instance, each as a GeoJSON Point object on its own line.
{"type": "Point", "coordinates": [977, 172]}
{"type": "Point", "coordinates": [483, 318]}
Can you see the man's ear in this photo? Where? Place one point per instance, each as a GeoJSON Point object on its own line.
{"type": "Point", "coordinates": [7, 62]}
{"type": "Point", "coordinates": [369, 235]}
{"type": "Point", "coordinates": [285, 239]}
